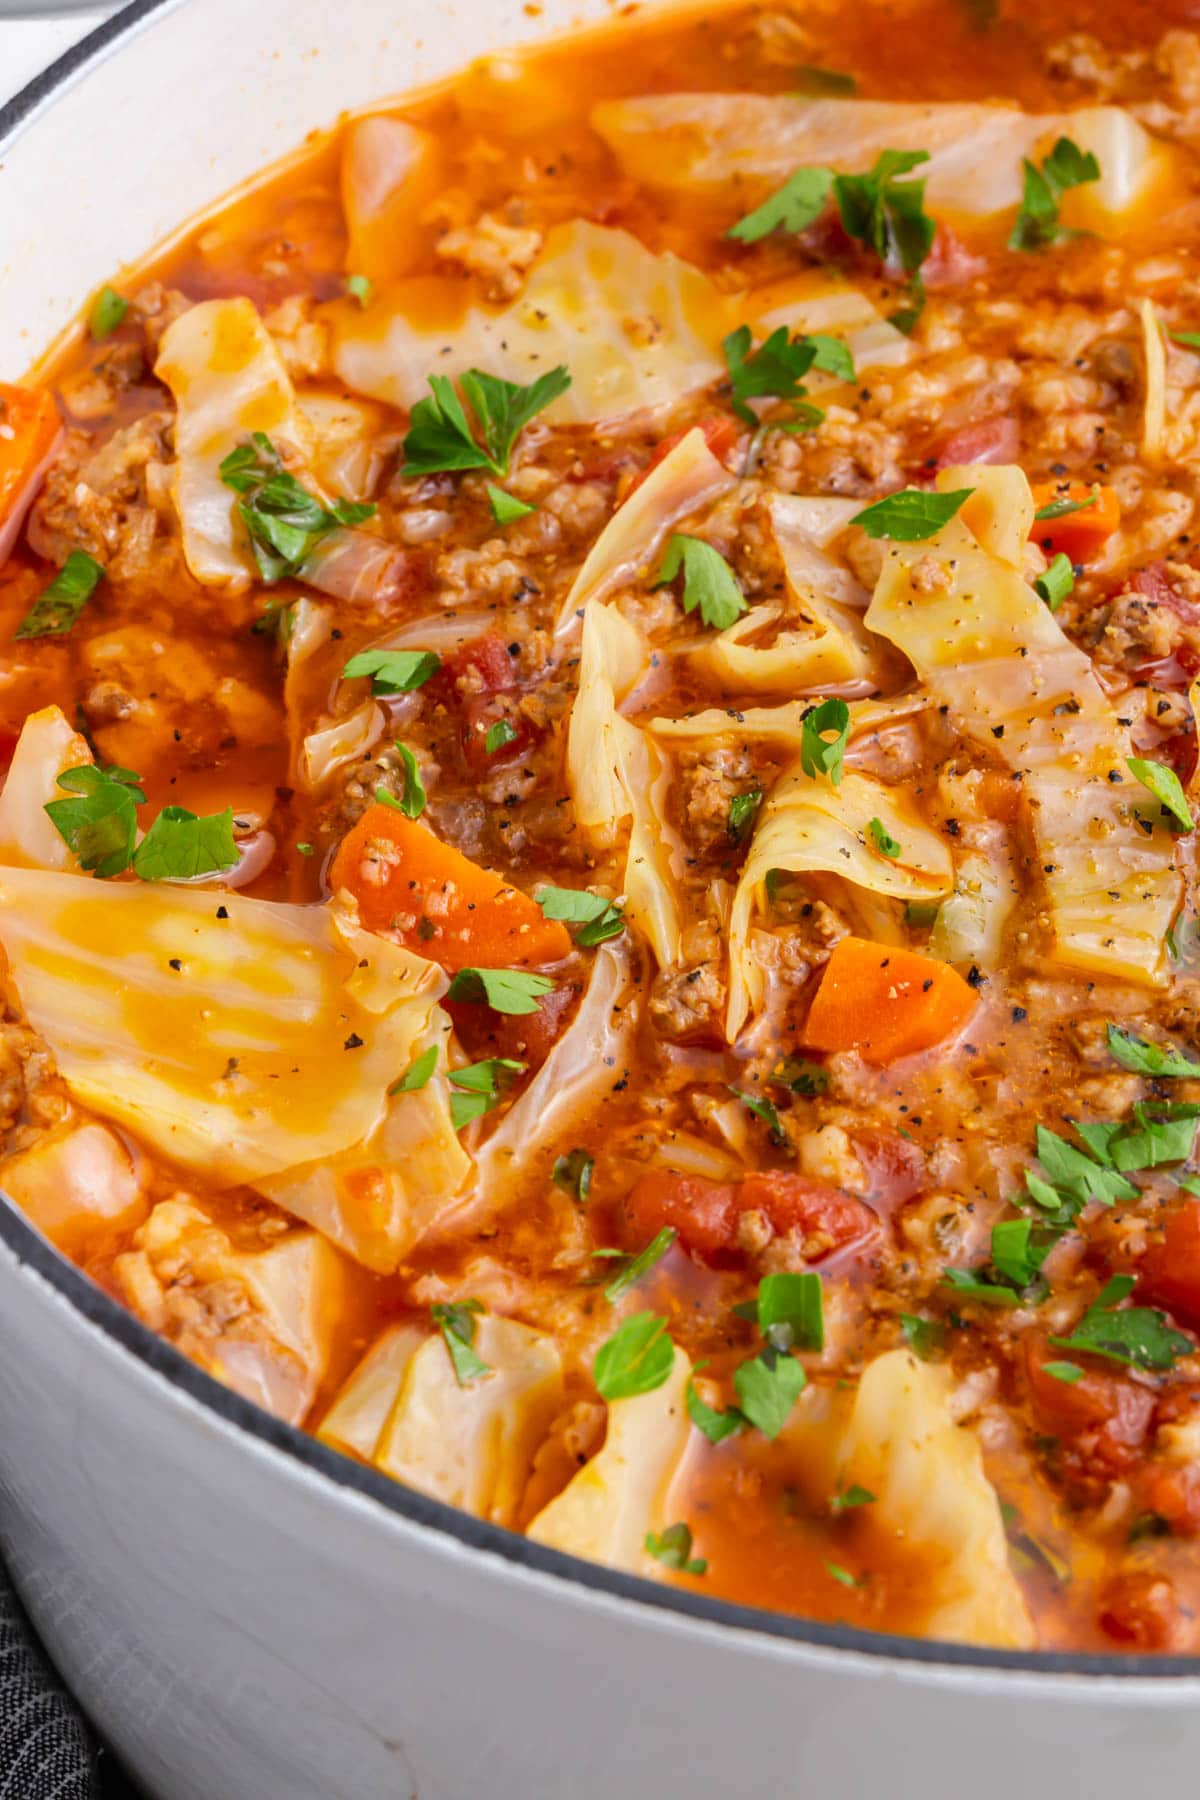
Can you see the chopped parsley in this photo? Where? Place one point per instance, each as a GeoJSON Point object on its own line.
{"type": "Point", "coordinates": [673, 1548]}
{"type": "Point", "coordinates": [506, 508]}
{"type": "Point", "coordinates": [912, 515]}
{"type": "Point", "coordinates": [497, 736]}
{"type": "Point", "coordinates": [924, 1337]}
{"type": "Point", "coordinates": [742, 809]}
{"type": "Point", "coordinates": [639, 1265]}
{"type": "Point", "coordinates": [802, 1077]}
{"type": "Point", "coordinates": [1062, 508]}
{"type": "Point", "coordinates": [99, 826]}
{"type": "Point", "coordinates": [456, 1322]}
{"type": "Point", "coordinates": [1160, 1061]}
{"type": "Point", "coordinates": [441, 438]}
{"type": "Point", "coordinates": [636, 1359]}
{"type": "Point", "coordinates": [360, 288]}
{"type": "Point", "coordinates": [598, 919]}
{"type": "Point", "coordinates": [883, 842]}
{"type": "Point", "coordinates": [393, 671]}
{"type": "Point", "coordinates": [482, 1085]}
{"type": "Point", "coordinates": [59, 605]}
{"type": "Point", "coordinates": [878, 209]}
{"type": "Point", "coordinates": [417, 1075]}
{"type": "Point", "coordinates": [413, 796]}
{"type": "Point", "coordinates": [179, 846]}
{"type": "Point", "coordinates": [776, 371]}
{"type": "Point", "coordinates": [767, 1387]}
{"type": "Point", "coordinates": [284, 522]}
{"type": "Point", "coordinates": [795, 206]}
{"type": "Point", "coordinates": [851, 1497]}
{"type": "Point", "coordinates": [766, 1111]}
{"type": "Point", "coordinates": [812, 79]}
{"type": "Point", "coordinates": [1164, 784]}
{"type": "Point", "coordinates": [1037, 224]}
{"type": "Point", "coordinates": [108, 311]}
{"type": "Point", "coordinates": [1067, 1372]}
{"type": "Point", "coordinates": [573, 1173]}
{"type": "Point", "coordinates": [823, 739]}
{"type": "Point", "coordinates": [505, 990]}
{"type": "Point", "coordinates": [716, 1426]}
{"type": "Point", "coordinates": [1137, 1335]}
{"type": "Point", "coordinates": [709, 583]}
{"type": "Point", "coordinates": [789, 1310]}
{"type": "Point", "coordinates": [1058, 581]}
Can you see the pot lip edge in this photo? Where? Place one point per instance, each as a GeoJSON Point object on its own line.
{"type": "Point", "coordinates": [34, 1254]}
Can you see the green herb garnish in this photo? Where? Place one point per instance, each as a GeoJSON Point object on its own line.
{"type": "Point", "coordinates": [59, 605]}
{"type": "Point", "coordinates": [108, 310]}
{"type": "Point", "coordinates": [573, 1173]}
{"type": "Point", "coordinates": [1138, 1335]}
{"type": "Point", "coordinates": [674, 1549]}
{"type": "Point", "coordinates": [482, 1086]}
{"type": "Point", "coordinates": [636, 1359]}
{"type": "Point", "coordinates": [393, 671]}
{"type": "Point", "coordinates": [1164, 784]}
{"type": "Point", "coordinates": [823, 739]}
{"type": "Point", "coordinates": [506, 508]}
{"type": "Point", "coordinates": [505, 990]}
{"type": "Point", "coordinates": [883, 842]}
{"type": "Point", "coordinates": [284, 522]}
{"type": "Point", "coordinates": [912, 515]}
{"type": "Point", "coordinates": [1058, 581]}
{"type": "Point", "coordinates": [440, 436]}
{"type": "Point", "coordinates": [456, 1322]}
{"type": "Point", "coordinates": [417, 1075]}
{"type": "Point", "coordinates": [1037, 225]}
{"type": "Point", "coordinates": [709, 583]}
{"type": "Point", "coordinates": [598, 918]}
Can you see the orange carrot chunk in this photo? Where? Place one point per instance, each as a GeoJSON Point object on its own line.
{"type": "Point", "coordinates": [29, 424]}
{"type": "Point", "coordinates": [1078, 534]}
{"type": "Point", "coordinates": [885, 1003]}
{"type": "Point", "coordinates": [437, 902]}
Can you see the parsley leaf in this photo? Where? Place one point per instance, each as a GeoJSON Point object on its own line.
{"type": "Point", "coordinates": [774, 371]}
{"type": "Point", "coordinates": [440, 437]}
{"type": "Point", "coordinates": [59, 605]}
{"type": "Point", "coordinates": [498, 735]}
{"type": "Point", "coordinates": [924, 1337]}
{"type": "Point", "coordinates": [912, 515]}
{"type": "Point", "coordinates": [742, 809]}
{"type": "Point", "coordinates": [482, 1085]}
{"type": "Point", "coordinates": [393, 671]}
{"type": "Point", "coordinates": [767, 1387]}
{"type": "Point", "coordinates": [883, 842]}
{"type": "Point", "coordinates": [801, 1076]}
{"type": "Point", "coordinates": [716, 1426]}
{"type": "Point", "coordinates": [1164, 784]}
{"type": "Point", "coordinates": [1019, 1248]}
{"type": "Point", "coordinates": [99, 827]}
{"type": "Point", "coordinates": [1079, 1175]}
{"type": "Point", "coordinates": [456, 1322]}
{"type": "Point", "coordinates": [1144, 1058]}
{"type": "Point", "coordinates": [972, 1286]}
{"type": "Point", "coordinates": [853, 1496]}
{"type": "Point", "coordinates": [506, 508]}
{"type": "Point", "coordinates": [284, 522]}
{"type": "Point", "coordinates": [1062, 508]}
{"type": "Point", "coordinates": [674, 1549]}
{"type": "Point", "coordinates": [641, 1264]}
{"type": "Point", "coordinates": [599, 918]}
{"type": "Point", "coordinates": [1136, 1335]}
{"type": "Point", "coordinates": [795, 206]}
{"type": "Point", "coordinates": [1063, 1371]}
{"type": "Point", "coordinates": [887, 214]}
{"type": "Point", "coordinates": [413, 798]}
{"type": "Point", "coordinates": [812, 79]}
{"type": "Point", "coordinates": [181, 847]}
{"type": "Point", "coordinates": [764, 1110]}
{"type": "Point", "coordinates": [823, 739]}
{"type": "Point", "coordinates": [506, 990]}
{"type": "Point", "coordinates": [1058, 581]}
{"type": "Point", "coordinates": [1036, 224]}
{"type": "Point", "coordinates": [1159, 1134]}
{"type": "Point", "coordinates": [360, 288]}
{"type": "Point", "coordinates": [636, 1359]}
{"type": "Point", "coordinates": [108, 310]}
{"type": "Point", "coordinates": [573, 1173]}
{"type": "Point", "coordinates": [790, 1314]}
{"type": "Point", "coordinates": [1190, 339]}
{"type": "Point", "coordinates": [708, 580]}
{"type": "Point", "coordinates": [418, 1073]}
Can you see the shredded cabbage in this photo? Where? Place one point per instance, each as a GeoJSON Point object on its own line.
{"type": "Point", "coordinates": [357, 1417]}
{"type": "Point", "coordinates": [46, 749]}
{"type": "Point", "coordinates": [969, 928]}
{"type": "Point", "coordinates": [624, 1492]}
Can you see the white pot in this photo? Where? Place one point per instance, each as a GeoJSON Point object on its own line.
{"type": "Point", "coordinates": [246, 1615]}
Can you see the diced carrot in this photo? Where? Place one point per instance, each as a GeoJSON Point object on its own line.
{"type": "Point", "coordinates": [885, 1003]}
{"type": "Point", "coordinates": [1076, 534]}
{"type": "Point", "coordinates": [29, 424]}
{"type": "Point", "coordinates": [1171, 1270]}
{"type": "Point", "coordinates": [437, 901]}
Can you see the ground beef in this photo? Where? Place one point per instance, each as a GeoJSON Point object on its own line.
{"type": "Point", "coordinates": [708, 781]}
{"type": "Point", "coordinates": [497, 249]}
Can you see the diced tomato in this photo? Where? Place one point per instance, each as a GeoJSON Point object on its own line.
{"type": "Point", "coordinates": [483, 666]}
{"type": "Point", "coordinates": [482, 715]}
{"type": "Point", "coordinates": [896, 1168]}
{"type": "Point", "coordinates": [1171, 1270]}
{"type": "Point", "coordinates": [1172, 1492]}
{"type": "Point", "coordinates": [1106, 1416]}
{"type": "Point", "coordinates": [1155, 584]}
{"type": "Point", "coordinates": [950, 264]}
{"type": "Point", "coordinates": [995, 440]}
{"type": "Point", "coordinates": [826, 1218]}
{"type": "Point", "coordinates": [706, 1213]}
{"type": "Point", "coordinates": [1181, 753]}
{"type": "Point", "coordinates": [524, 1037]}
{"type": "Point", "coordinates": [720, 434]}
{"type": "Point", "coordinates": [1140, 1608]}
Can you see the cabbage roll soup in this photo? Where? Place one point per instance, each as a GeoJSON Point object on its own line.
{"type": "Point", "coordinates": [598, 876]}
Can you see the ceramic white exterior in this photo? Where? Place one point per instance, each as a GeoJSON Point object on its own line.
{"type": "Point", "coordinates": [246, 1615]}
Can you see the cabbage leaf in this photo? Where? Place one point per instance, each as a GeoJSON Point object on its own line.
{"type": "Point", "coordinates": [46, 749]}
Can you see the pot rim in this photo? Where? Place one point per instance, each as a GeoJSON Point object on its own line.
{"type": "Point", "coordinates": [34, 1252]}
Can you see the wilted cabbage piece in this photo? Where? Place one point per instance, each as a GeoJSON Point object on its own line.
{"type": "Point", "coordinates": [687, 478]}
{"type": "Point", "coordinates": [932, 1496]}
{"type": "Point", "coordinates": [808, 825]}
{"type": "Point", "coordinates": [357, 1417]}
{"type": "Point", "coordinates": [616, 772]}
{"type": "Point", "coordinates": [239, 1037]}
{"type": "Point", "coordinates": [992, 651]}
{"type": "Point", "coordinates": [260, 1320]}
{"type": "Point", "coordinates": [76, 1183]}
{"type": "Point", "coordinates": [473, 1444]}
{"type": "Point", "coordinates": [228, 380]}
{"type": "Point", "coordinates": [742, 145]}
{"type": "Point", "coordinates": [783, 726]}
{"type": "Point", "coordinates": [969, 928]}
{"type": "Point", "coordinates": [390, 171]}
{"type": "Point", "coordinates": [605, 1511]}
{"type": "Point", "coordinates": [46, 749]}
{"type": "Point", "coordinates": [818, 643]}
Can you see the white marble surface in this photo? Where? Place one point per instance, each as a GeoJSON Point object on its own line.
{"type": "Point", "coordinates": [28, 45]}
